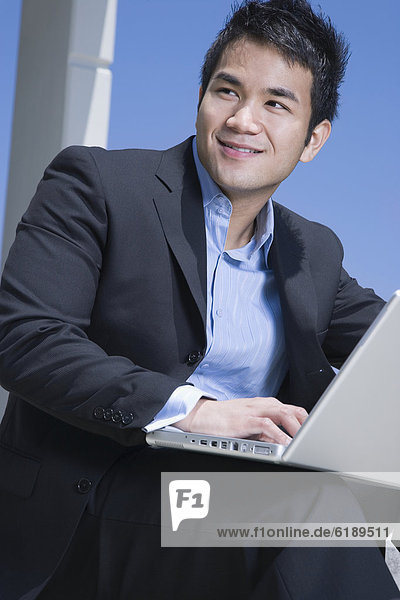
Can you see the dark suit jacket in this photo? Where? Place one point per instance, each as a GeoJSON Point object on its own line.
{"type": "Point", "coordinates": [103, 306]}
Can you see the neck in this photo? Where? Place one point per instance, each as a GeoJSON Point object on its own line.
{"type": "Point", "coordinates": [242, 223]}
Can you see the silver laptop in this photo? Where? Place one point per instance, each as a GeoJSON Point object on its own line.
{"type": "Point", "coordinates": [355, 426]}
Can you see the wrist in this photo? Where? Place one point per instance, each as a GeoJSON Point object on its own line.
{"type": "Point", "coordinates": [187, 423]}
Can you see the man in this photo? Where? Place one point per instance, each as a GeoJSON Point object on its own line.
{"type": "Point", "coordinates": [145, 286]}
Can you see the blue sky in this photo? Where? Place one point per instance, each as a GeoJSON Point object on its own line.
{"type": "Point", "coordinates": [353, 184]}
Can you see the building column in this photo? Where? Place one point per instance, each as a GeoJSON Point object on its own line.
{"type": "Point", "coordinates": [62, 95]}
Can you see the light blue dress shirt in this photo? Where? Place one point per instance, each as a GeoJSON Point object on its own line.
{"type": "Point", "coordinates": [245, 355]}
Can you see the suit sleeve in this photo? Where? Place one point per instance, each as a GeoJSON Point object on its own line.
{"type": "Point", "coordinates": [355, 308]}
{"type": "Point", "coordinates": [48, 290]}
{"type": "Point", "coordinates": [345, 309]}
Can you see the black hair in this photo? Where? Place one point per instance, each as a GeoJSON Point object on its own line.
{"type": "Point", "coordinates": [297, 33]}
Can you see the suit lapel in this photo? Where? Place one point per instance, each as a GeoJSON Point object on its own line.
{"type": "Point", "coordinates": [179, 205]}
{"type": "Point", "coordinates": [291, 266]}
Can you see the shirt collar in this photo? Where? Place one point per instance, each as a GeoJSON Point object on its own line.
{"type": "Point", "coordinates": [264, 230]}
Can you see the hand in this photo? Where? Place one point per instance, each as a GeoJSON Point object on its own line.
{"type": "Point", "coordinates": [256, 418]}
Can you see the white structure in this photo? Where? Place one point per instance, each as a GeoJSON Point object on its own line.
{"type": "Point", "coordinates": [63, 92]}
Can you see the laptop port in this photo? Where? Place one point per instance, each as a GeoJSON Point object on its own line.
{"type": "Point", "coordinates": [234, 446]}
{"type": "Point", "coordinates": [224, 445]}
{"type": "Point", "coordinates": [262, 450]}
{"type": "Point", "coordinates": [214, 443]}
{"type": "Point", "coordinates": [203, 442]}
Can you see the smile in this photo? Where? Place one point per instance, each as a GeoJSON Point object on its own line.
{"type": "Point", "coordinates": [240, 149]}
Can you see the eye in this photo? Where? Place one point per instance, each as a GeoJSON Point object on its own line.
{"type": "Point", "coordinates": [227, 92]}
{"type": "Point", "coordinates": [276, 104]}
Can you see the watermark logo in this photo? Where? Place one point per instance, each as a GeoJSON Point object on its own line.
{"type": "Point", "coordinates": [189, 499]}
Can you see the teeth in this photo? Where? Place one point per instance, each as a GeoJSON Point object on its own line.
{"type": "Point", "coordinates": [241, 149]}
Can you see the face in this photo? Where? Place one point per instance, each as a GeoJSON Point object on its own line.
{"type": "Point", "coordinates": [253, 121]}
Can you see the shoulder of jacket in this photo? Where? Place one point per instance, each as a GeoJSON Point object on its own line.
{"type": "Point", "coordinates": [134, 160]}
{"type": "Point", "coordinates": [98, 154]}
{"type": "Point", "coordinates": [312, 230]}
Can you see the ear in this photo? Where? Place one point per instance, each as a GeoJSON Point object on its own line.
{"type": "Point", "coordinates": [318, 138]}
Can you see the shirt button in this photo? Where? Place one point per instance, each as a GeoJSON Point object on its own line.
{"type": "Point", "coordinates": [83, 485]}
{"type": "Point", "coordinates": [193, 357]}
{"type": "Point", "coordinates": [219, 312]}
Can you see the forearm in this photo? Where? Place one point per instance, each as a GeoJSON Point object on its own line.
{"type": "Point", "coordinates": [58, 369]}
{"type": "Point", "coordinates": [49, 291]}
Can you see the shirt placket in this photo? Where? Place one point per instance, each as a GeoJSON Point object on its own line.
{"type": "Point", "coordinates": [220, 216]}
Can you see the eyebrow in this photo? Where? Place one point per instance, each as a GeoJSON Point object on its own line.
{"type": "Point", "coordinates": [280, 92]}
{"type": "Point", "coordinates": [228, 78]}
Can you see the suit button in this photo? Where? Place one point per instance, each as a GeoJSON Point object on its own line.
{"type": "Point", "coordinates": [193, 357]}
{"type": "Point", "coordinates": [127, 419]}
{"type": "Point", "coordinates": [108, 413]}
{"type": "Point", "coordinates": [83, 485]}
{"type": "Point", "coordinates": [117, 416]}
{"type": "Point", "coordinates": [98, 412]}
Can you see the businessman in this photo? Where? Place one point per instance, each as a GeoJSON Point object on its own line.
{"type": "Point", "coordinates": [147, 288]}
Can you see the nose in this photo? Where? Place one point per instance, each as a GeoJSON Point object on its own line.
{"type": "Point", "coordinates": [244, 120]}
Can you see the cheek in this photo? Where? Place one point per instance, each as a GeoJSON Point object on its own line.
{"type": "Point", "coordinates": [204, 131]}
{"type": "Point", "coordinates": [290, 142]}
{"type": "Point", "coordinates": [209, 118]}
{"type": "Point", "coordinates": [200, 124]}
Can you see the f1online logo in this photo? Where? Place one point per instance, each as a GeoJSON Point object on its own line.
{"type": "Point", "coordinates": [189, 499]}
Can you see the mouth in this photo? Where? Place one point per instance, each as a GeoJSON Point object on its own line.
{"type": "Point", "coordinates": [242, 149]}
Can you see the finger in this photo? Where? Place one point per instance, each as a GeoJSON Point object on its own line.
{"type": "Point", "coordinates": [289, 416]}
{"type": "Point", "coordinates": [301, 413]}
{"type": "Point", "coordinates": [290, 422]}
{"type": "Point", "coordinates": [267, 406]}
{"type": "Point", "coordinates": [292, 418]}
{"type": "Point", "coordinates": [270, 432]}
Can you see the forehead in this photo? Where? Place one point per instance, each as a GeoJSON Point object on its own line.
{"type": "Point", "coordinates": [262, 66]}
